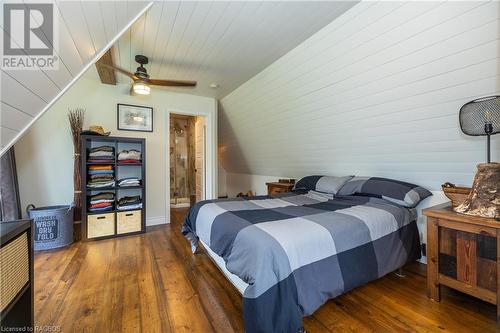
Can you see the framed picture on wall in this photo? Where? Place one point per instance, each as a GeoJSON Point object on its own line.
{"type": "Point", "coordinates": [134, 118]}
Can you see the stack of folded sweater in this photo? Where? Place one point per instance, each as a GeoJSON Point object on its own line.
{"type": "Point", "coordinates": [130, 181]}
{"type": "Point", "coordinates": [101, 176]}
{"type": "Point", "coordinates": [129, 156]}
{"type": "Point", "coordinates": [102, 154]}
{"type": "Point", "coordinates": [131, 202]}
{"type": "Point", "coordinates": [102, 202]}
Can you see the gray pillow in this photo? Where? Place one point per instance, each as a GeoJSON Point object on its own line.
{"type": "Point", "coordinates": [325, 184]}
{"type": "Point", "coordinates": [402, 193]}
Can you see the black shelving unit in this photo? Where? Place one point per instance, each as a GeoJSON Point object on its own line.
{"type": "Point", "coordinates": [93, 222]}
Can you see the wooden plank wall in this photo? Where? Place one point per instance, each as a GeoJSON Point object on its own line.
{"type": "Point", "coordinates": [377, 92]}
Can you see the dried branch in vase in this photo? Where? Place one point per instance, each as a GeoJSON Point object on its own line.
{"type": "Point", "coordinates": [76, 117]}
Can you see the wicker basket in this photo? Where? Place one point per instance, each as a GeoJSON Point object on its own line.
{"type": "Point", "coordinates": [456, 194]}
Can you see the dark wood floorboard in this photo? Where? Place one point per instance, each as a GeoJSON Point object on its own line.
{"type": "Point", "coordinates": [152, 283]}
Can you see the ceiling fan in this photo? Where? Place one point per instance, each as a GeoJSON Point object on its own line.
{"type": "Point", "coordinates": [142, 82]}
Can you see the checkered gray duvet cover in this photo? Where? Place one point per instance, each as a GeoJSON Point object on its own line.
{"type": "Point", "coordinates": [298, 250]}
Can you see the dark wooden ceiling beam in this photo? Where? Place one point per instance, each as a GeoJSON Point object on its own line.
{"type": "Point", "coordinates": [106, 74]}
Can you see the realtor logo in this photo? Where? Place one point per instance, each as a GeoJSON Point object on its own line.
{"type": "Point", "coordinates": [29, 36]}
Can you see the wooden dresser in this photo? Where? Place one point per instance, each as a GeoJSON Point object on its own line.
{"type": "Point", "coordinates": [276, 188]}
{"type": "Point", "coordinates": [463, 253]}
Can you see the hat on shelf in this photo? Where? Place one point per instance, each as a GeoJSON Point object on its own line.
{"type": "Point", "coordinates": [95, 130]}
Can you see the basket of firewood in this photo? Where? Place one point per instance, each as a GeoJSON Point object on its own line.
{"type": "Point", "coordinates": [456, 194]}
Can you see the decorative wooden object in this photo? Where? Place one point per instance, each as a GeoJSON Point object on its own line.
{"type": "Point", "coordinates": [76, 118]}
{"type": "Point", "coordinates": [16, 276]}
{"type": "Point", "coordinates": [463, 253]}
{"type": "Point", "coordinates": [106, 74]}
{"type": "Point", "coordinates": [484, 198]}
{"type": "Point", "coordinates": [277, 188]}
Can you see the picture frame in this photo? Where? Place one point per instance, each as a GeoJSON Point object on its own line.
{"type": "Point", "coordinates": [134, 118]}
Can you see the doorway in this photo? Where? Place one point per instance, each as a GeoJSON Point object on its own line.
{"type": "Point", "coordinates": [187, 159]}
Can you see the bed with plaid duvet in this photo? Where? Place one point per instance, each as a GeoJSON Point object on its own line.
{"type": "Point", "coordinates": [298, 250]}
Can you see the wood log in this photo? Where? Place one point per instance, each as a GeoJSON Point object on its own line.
{"type": "Point", "coordinates": [484, 198]}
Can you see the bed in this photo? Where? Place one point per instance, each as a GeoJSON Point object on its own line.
{"type": "Point", "coordinates": [289, 254]}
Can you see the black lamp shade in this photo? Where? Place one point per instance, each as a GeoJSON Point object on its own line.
{"type": "Point", "coordinates": [476, 116]}
{"type": "Point", "coordinates": [481, 117]}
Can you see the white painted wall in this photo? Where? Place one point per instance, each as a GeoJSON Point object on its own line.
{"type": "Point", "coordinates": [374, 93]}
{"type": "Point", "coordinates": [44, 154]}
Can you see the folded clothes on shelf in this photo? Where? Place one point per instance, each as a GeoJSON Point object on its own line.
{"type": "Point", "coordinates": [102, 153]}
{"type": "Point", "coordinates": [100, 183]}
{"type": "Point", "coordinates": [130, 202]}
{"type": "Point", "coordinates": [108, 176]}
{"type": "Point", "coordinates": [94, 202]}
{"type": "Point", "coordinates": [100, 172]}
{"type": "Point", "coordinates": [101, 167]}
{"type": "Point", "coordinates": [101, 176]}
{"type": "Point", "coordinates": [102, 148]}
{"type": "Point", "coordinates": [128, 207]}
{"type": "Point", "coordinates": [101, 202]}
{"type": "Point", "coordinates": [100, 160]}
{"type": "Point", "coordinates": [102, 196]}
{"type": "Point", "coordinates": [130, 181]}
{"type": "Point", "coordinates": [126, 155]}
{"type": "Point", "coordinates": [103, 209]}
{"type": "Point", "coordinates": [100, 205]}
{"type": "Point", "coordinates": [133, 199]}
{"type": "Point", "coordinates": [129, 161]}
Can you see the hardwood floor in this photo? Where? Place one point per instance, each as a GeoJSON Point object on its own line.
{"type": "Point", "coordinates": [152, 283]}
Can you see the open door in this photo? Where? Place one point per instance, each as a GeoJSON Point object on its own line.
{"type": "Point", "coordinates": [199, 147]}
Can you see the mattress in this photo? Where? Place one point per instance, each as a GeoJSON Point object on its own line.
{"type": "Point", "coordinates": [238, 283]}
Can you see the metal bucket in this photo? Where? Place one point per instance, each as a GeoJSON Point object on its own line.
{"type": "Point", "coordinates": [52, 226]}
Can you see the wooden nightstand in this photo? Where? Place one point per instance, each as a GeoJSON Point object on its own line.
{"type": "Point", "coordinates": [276, 188]}
{"type": "Point", "coordinates": [463, 253]}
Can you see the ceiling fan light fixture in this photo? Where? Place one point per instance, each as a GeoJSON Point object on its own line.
{"type": "Point", "coordinates": [141, 88]}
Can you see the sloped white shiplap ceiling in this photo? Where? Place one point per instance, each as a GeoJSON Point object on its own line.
{"type": "Point", "coordinates": [225, 43]}
{"type": "Point", "coordinates": [85, 29]}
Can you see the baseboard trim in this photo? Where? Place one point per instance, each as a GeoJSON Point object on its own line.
{"type": "Point", "coordinates": [156, 221]}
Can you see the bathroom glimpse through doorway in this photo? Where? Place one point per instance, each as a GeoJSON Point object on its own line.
{"type": "Point", "coordinates": [187, 160]}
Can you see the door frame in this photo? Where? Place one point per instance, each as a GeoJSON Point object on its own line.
{"type": "Point", "coordinates": [210, 179]}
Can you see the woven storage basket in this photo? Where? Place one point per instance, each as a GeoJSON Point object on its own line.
{"type": "Point", "coordinates": [14, 269]}
{"type": "Point", "coordinates": [457, 194]}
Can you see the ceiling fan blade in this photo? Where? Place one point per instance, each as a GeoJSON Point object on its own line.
{"type": "Point", "coordinates": [120, 70]}
{"type": "Point", "coordinates": [172, 83]}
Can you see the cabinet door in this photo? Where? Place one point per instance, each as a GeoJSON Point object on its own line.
{"type": "Point", "coordinates": [468, 257]}
{"type": "Point", "coordinates": [199, 148]}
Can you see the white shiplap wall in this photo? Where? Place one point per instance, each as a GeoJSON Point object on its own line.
{"type": "Point", "coordinates": [85, 30]}
{"type": "Point", "coordinates": [223, 42]}
{"type": "Point", "coordinates": [376, 92]}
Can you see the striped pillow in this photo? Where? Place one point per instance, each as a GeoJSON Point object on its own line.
{"type": "Point", "coordinates": [325, 184]}
{"type": "Point", "coordinates": [404, 194]}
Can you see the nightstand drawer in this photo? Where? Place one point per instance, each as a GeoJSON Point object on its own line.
{"type": "Point", "coordinates": [276, 190]}
{"type": "Point", "coordinates": [100, 225]}
{"type": "Point", "coordinates": [129, 221]}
